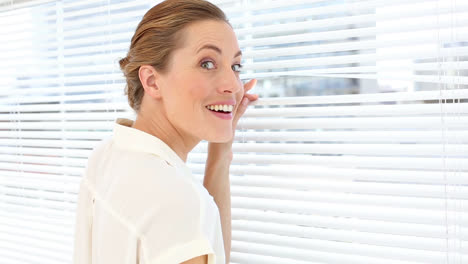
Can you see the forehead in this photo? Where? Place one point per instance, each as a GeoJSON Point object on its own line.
{"type": "Point", "coordinates": [213, 32]}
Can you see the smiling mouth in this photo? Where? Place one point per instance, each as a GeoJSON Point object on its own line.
{"type": "Point", "coordinates": [226, 109]}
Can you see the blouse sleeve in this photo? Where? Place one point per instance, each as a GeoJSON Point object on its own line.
{"type": "Point", "coordinates": [83, 226]}
{"type": "Point", "coordinates": [173, 232]}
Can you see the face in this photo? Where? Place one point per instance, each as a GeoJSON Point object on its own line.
{"type": "Point", "coordinates": [203, 74]}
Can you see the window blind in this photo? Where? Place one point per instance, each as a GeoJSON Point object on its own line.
{"type": "Point", "coordinates": [355, 153]}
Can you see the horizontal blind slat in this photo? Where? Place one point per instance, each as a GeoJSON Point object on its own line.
{"type": "Point", "coordinates": [364, 212]}
{"type": "Point", "coordinates": [338, 223]}
{"type": "Point", "coordinates": [426, 163]}
{"type": "Point", "coordinates": [393, 247]}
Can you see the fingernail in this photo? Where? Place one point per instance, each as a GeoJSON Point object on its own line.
{"type": "Point", "coordinates": [245, 101]}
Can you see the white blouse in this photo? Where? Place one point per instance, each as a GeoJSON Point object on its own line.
{"type": "Point", "coordinates": [139, 203]}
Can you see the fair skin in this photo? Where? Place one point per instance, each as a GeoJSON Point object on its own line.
{"type": "Point", "coordinates": [204, 70]}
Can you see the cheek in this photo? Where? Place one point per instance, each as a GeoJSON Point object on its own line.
{"type": "Point", "coordinates": [186, 88]}
{"type": "Point", "coordinates": [198, 89]}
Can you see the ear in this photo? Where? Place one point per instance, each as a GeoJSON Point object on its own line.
{"type": "Point", "coordinates": [148, 78]}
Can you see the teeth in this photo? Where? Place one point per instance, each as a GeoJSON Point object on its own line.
{"type": "Point", "coordinates": [225, 108]}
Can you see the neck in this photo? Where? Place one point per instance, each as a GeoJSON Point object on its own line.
{"type": "Point", "coordinates": [159, 126]}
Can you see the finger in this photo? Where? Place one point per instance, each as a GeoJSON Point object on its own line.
{"type": "Point", "coordinates": [252, 97]}
{"type": "Point", "coordinates": [244, 104]}
{"type": "Point", "coordinates": [240, 110]}
{"type": "Point", "coordinates": [249, 85]}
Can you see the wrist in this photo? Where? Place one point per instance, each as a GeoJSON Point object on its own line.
{"type": "Point", "coordinates": [220, 152]}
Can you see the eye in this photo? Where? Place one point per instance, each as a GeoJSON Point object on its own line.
{"type": "Point", "coordinates": [237, 67]}
{"type": "Point", "coordinates": [207, 65]}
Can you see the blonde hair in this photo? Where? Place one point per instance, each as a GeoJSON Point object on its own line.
{"type": "Point", "coordinates": [157, 36]}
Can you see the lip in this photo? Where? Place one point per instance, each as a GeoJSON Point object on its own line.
{"type": "Point", "coordinates": [226, 102]}
{"type": "Point", "coordinates": [222, 115]}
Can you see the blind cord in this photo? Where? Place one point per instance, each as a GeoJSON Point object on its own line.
{"type": "Point", "coordinates": [439, 75]}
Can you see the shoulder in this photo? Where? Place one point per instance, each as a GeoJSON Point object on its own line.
{"type": "Point", "coordinates": [98, 151]}
{"type": "Point", "coordinates": [150, 187]}
{"type": "Point", "coordinates": [139, 184]}
{"type": "Point", "coordinates": [109, 162]}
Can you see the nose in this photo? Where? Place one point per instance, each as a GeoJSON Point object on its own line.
{"type": "Point", "coordinates": [230, 82]}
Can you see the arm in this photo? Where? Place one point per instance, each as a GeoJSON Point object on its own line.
{"type": "Point", "coordinates": [216, 182]}
{"type": "Point", "coordinates": [216, 179]}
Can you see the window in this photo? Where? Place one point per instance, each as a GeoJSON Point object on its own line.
{"type": "Point", "coordinates": [356, 152]}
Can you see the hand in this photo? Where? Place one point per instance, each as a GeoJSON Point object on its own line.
{"type": "Point", "coordinates": [217, 149]}
{"type": "Point", "coordinates": [242, 107]}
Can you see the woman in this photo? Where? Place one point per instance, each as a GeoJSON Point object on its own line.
{"type": "Point", "coordinates": [138, 202]}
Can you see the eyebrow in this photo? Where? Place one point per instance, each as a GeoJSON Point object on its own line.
{"type": "Point", "coordinates": [213, 47]}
